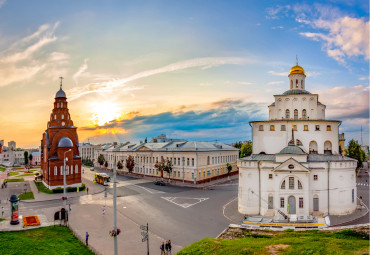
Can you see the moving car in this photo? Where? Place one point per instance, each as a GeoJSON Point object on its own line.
{"type": "Point", "coordinates": [160, 183]}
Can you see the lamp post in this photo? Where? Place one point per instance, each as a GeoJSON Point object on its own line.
{"type": "Point", "coordinates": [183, 169]}
{"type": "Point", "coordinates": [64, 180]}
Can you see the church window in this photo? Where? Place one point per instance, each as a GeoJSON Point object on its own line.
{"type": "Point", "coordinates": [315, 177]}
{"type": "Point", "coordinates": [301, 202]}
{"type": "Point", "coordinates": [192, 161]}
{"type": "Point", "coordinates": [61, 105]}
{"type": "Point", "coordinates": [62, 116]}
{"type": "Point", "coordinates": [71, 169]}
{"type": "Point", "coordinates": [67, 170]}
{"type": "Point", "coordinates": [302, 84]}
{"type": "Point", "coordinates": [353, 195]}
{"type": "Point", "coordinates": [272, 128]}
{"type": "Point", "coordinates": [317, 128]}
{"type": "Point", "coordinates": [296, 83]}
{"type": "Point", "coordinates": [76, 169]}
{"type": "Point", "coordinates": [305, 128]}
{"type": "Point", "coordinates": [57, 105]}
{"type": "Point", "coordinates": [187, 162]}
{"type": "Point", "coordinates": [270, 176]}
{"type": "Point", "coordinates": [304, 114]}
{"type": "Point", "coordinates": [55, 170]}
{"type": "Point", "coordinates": [287, 114]}
{"type": "Point", "coordinates": [328, 128]}
{"type": "Point", "coordinates": [282, 202]}
{"type": "Point", "coordinates": [291, 182]}
{"type": "Point", "coordinates": [299, 185]}
{"type": "Point", "coordinates": [294, 127]}
{"type": "Point", "coordinates": [283, 185]}
{"type": "Point", "coordinates": [55, 116]}
{"type": "Point", "coordinates": [61, 170]}
{"type": "Point", "coordinates": [295, 114]}
{"type": "Point", "coordinates": [283, 128]}
{"type": "Point", "coordinates": [260, 128]}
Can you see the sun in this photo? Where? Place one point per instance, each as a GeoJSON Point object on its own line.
{"type": "Point", "coordinates": [105, 112]}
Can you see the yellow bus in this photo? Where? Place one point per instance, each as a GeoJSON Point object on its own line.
{"type": "Point", "coordinates": [102, 178]}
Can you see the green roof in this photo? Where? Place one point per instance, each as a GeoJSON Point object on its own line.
{"type": "Point", "coordinates": [292, 150]}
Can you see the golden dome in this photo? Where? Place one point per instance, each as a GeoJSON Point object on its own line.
{"type": "Point", "coordinates": [297, 69]}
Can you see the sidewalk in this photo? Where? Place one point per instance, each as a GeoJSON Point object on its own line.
{"type": "Point", "coordinates": [344, 219]}
{"type": "Point", "coordinates": [99, 225]}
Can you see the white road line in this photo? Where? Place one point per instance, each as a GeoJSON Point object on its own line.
{"type": "Point", "coordinates": [184, 205]}
{"type": "Point", "coordinates": [224, 207]}
{"type": "Point", "coordinates": [151, 191]}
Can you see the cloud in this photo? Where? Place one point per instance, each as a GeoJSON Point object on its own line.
{"type": "Point", "coordinates": [245, 83]}
{"type": "Point", "coordinates": [278, 74]}
{"type": "Point", "coordinates": [364, 78]}
{"type": "Point", "coordinates": [231, 115]}
{"type": "Point", "coordinates": [275, 82]}
{"type": "Point", "coordinates": [278, 12]}
{"type": "Point", "coordinates": [114, 84]}
{"type": "Point", "coordinates": [2, 2]}
{"type": "Point", "coordinates": [23, 59]}
{"type": "Point", "coordinates": [82, 69]}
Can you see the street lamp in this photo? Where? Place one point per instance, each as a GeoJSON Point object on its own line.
{"type": "Point", "coordinates": [183, 169]}
{"type": "Point", "coordinates": [64, 180]}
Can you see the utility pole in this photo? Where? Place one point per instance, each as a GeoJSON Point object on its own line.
{"type": "Point", "coordinates": [115, 207]}
{"type": "Point", "coordinates": [64, 180]}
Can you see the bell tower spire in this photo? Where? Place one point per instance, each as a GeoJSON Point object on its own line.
{"type": "Point", "coordinates": [61, 81]}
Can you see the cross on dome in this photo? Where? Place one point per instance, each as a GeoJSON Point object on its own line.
{"type": "Point", "coordinates": [61, 81]}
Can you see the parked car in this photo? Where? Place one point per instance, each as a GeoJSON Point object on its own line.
{"type": "Point", "coordinates": [160, 183]}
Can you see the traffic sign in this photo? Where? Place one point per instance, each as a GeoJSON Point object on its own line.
{"type": "Point", "coordinates": [142, 227]}
{"type": "Point", "coordinates": [144, 239]}
{"type": "Point", "coordinates": [144, 233]}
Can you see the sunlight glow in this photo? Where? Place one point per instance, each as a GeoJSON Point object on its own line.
{"type": "Point", "coordinates": [104, 112]}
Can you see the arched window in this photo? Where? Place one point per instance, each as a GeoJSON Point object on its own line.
{"type": "Point", "coordinates": [295, 114]}
{"type": "Point", "coordinates": [291, 84]}
{"type": "Point", "coordinates": [302, 84]}
{"type": "Point", "coordinates": [304, 114]}
{"type": "Point", "coordinates": [283, 185]}
{"type": "Point", "coordinates": [67, 170]}
{"type": "Point", "coordinates": [313, 147]}
{"type": "Point", "coordinates": [71, 169]}
{"type": "Point", "coordinates": [55, 170]}
{"type": "Point", "coordinates": [61, 170]}
{"type": "Point", "coordinates": [76, 169]}
{"type": "Point", "coordinates": [57, 105]}
{"type": "Point", "coordinates": [61, 105]}
{"type": "Point", "coordinates": [62, 116]}
{"type": "Point", "coordinates": [327, 147]}
{"type": "Point", "coordinates": [299, 184]}
{"type": "Point", "coordinates": [287, 114]}
{"type": "Point", "coordinates": [296, 83]}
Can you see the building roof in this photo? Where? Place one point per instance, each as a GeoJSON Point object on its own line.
{"type": "Point", "coordinates": [325, 158]}
{"type": "Point", "coordinates": [291, 149]}
{"type": "Point", "coordinates": [36, 153]}
{"type": "Point", "coordinates": [65, 142]}
{"type": "Point", "coordinates": [60, 94]}
{"type": "Point", "coordinates": [297, 70]}
{"type": "Point", "coordinates": [296, 92]}
{"type": "Point", "coordinates": [259, 157]}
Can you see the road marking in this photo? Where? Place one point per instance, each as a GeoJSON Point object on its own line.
{"type": "Point", "coordinates": [224, 207]}
{"type": "Point", "coordinates": [151, 191]}
{"type": "Point", "coordinates": [185, 202]}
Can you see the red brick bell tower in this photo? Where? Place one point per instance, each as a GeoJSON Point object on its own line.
{"type": "Point", "coordinates": [59, 142]}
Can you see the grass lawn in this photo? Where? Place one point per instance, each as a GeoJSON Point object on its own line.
{"type": "Point", "coordinates": [41, 187]}
{"type": "Point", "coordinates": [2, 169]}
{"type": "Point", "coordinates": [307, 242]}
{"type": "Point", "coordinates": [13, 173]}
{"type": "Point", "coordinates": [48, 240]}
{"type": "Point", "coordinates": [30, 174]}
{"type": "Point", "coordinates": [26, 196]}
{"type": "Point", "coordinates": [15, 180]}
{"type": "Point", "coordinates": [2, 219]}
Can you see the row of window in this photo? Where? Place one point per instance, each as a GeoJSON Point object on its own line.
{"type": "Point", "coordinates": [61, 105]}
{"type": "Point", "coordinates": [291, 184]}
{"type": "Point", "coordinates": [67, 170]}
{"type": "Point", "coordinates": [282, 202]}
{"type": "Point", "coordinates": [294, 127]}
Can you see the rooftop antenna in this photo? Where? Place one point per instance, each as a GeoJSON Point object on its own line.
{"type": "Point", "coordinates": [61, 81]}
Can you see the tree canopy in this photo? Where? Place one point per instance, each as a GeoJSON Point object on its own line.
{"type": "Point", "coordinates": [130, 163]}
{"type": "Point", "coordinates": [354, 151]}
{"type": "Point", "coordinates": [119, 165]}
{"type": "Point", "coordinates": [101, 159]}
{"type": "Point", "coordinates": [246, 149]}
{"type": "Point", "coordinates": [26, 157]}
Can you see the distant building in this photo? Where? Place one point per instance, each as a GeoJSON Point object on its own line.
{"type": "Point", "coordinates": [11, 145]}
{"type": "Point", "coordinates": [12, 158]}
{"type": "Point", "coordinates": [2, 142]}
{"type": "Point", "coordinates": [59, 144]}
{"type": "Point", "coordinates": [87, 151]}
{"type": "Point", "coordinates": [36, 158]}
{"type": "Point", "coordinates": [193, 162]}
{"type": "Point", "coordinates": [163, 139]}
{"type": "Point", "coordinates": [296, 168]}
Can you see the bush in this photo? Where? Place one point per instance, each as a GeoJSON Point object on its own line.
{"type": "Point", "coordinates": [69, 189]}
{"type": "Point", "coordinates": [58, 190]}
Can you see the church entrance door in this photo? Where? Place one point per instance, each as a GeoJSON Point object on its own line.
{"type": "Point", "coordinates": [291, 205]}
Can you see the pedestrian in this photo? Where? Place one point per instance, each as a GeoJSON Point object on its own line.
{"type": "Point", "coordinates": [169, 247]}
{"type": "Point", "coordinates": [366, 182]}
{"type": "Point", "coordinates": [87, 191]}
{"type": "Point", "coordinates": [162, 248]}
{"type": "Point", "coordinates": [70, 208]}
{"type": "Point", "coordinates": [87, 239]}
{"type": "Point", "coordinates": [103, 209]}
{"type": "Point", "coordinates": [2, 211]}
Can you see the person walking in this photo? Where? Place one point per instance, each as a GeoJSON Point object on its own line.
{"type": "Point", "coordinates": [87, 191]}
{"type": "Point", "coordinates": [87, 239]}
{"type": "Point", "coordinates": [69, 208]}
{"type": "Point", "coordinates": [166, 248]}
{"type": "Point", "coordinates": [162, 248]}
{"type": "Point", "coordinates": [103, 209]}
{"type": "Point", "coordinates": [169, 247]}
{"type": "Point", "coordinates": [2, 211]}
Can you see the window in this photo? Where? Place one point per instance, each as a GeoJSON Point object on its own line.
{"type": "Point", "coordinates": [67, 170]}
{"type": "Point", "coordinates": [61, 170]}
{"type": "Point", "coordinates": [61, 105]}
{"type": "Point", "coordinates": [304, 114]}
{"type": "Point", "coordinates": [299, 185]}
{"type": "Point", "coordinates": [317, 128]}
{"type": "Point", "coordinates": [71, 169]}
{"type": "Point", "coordinates": [291, 84]}
{"type": "Point", "coordinates": [305, 128]}
{"type": "Point", "coordinates": [295, 114]}
{"type": "Point", "coordinates": [76, 169]}
{"type": "Point", "coordinates": [353, 195]}
{"type": "Point", "coordinates": [281, 202]}
{"type": "Point", "coordinates": [283, 128]}
{"type": "Point", "coordinates": [296, 83]}
{"type": "Point", "coordinates": [287, 114]}
{"type": "Point", "coordinates": [188, 160]}
{"type": "Point", "coordinates": [328, 128]}
{"type": "Point", "coordinates": [283, 185]}
{"type": "Point", "coordinates": [178, 161]}
{"type": "Point", "coordinates": [270, 176]}
{"type": "Point", "coordinates": [272, 128]}
{"type": "Point", "coordinates": [192, 175]}
{"type": "Point", "coordinates": [260, 128]}
{"type": "Point", "coordinates": [315, 177]}
{"type": "Point", "coordinates": [291, 182]}
{"type": "Point", "coordinates": [294, 127]}
{"type": "Point", "coordinates": [301, 202]}
{"type": "Point", "coordinates": [57, 105]}
{"type": "Point", "coordinates": [55, 170]}
{"type": "Point", "coordinates": [192, 162]}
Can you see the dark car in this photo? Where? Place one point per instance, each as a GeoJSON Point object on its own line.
{"type": "Point", "coordinates": [160, 183]}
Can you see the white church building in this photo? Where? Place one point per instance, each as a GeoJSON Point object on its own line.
{"type": "Point", "coordinates": [296, 166]}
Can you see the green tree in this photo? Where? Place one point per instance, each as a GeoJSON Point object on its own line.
{"type": "Point", "coordinates": [160, 166]}
{"type": "Point", "coordinates": [167, 167]}
{"type": "Point", "coordinates": [130, 163]}
{"type": "Point", "coordinates": [101, 159]}
{"type": "Point", "coordinates": [238, 145]}
{"type": "Point", "coordinates": [246, 149]}
{"type": "Point", "coordinates": [26, 157]}
{"type": "Point", "coordinates": [146, 139]}
{"type": "Point", "coordinates": [229, 167]}
{"type": "Point", "coordinates": [354, 151]}
{"type": "Point", "coordinates": [119, 165]}
{"type": "Point", "coordinates": [106, 164]}
{"type": "Point", "coordinates": [30, 157]}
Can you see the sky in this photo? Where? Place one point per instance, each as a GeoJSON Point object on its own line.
{"type": "Point", "coordinates": [197, 70]}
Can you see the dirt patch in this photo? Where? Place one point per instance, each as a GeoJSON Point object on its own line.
{"type": "Point", "coordinates": [276, 248]}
